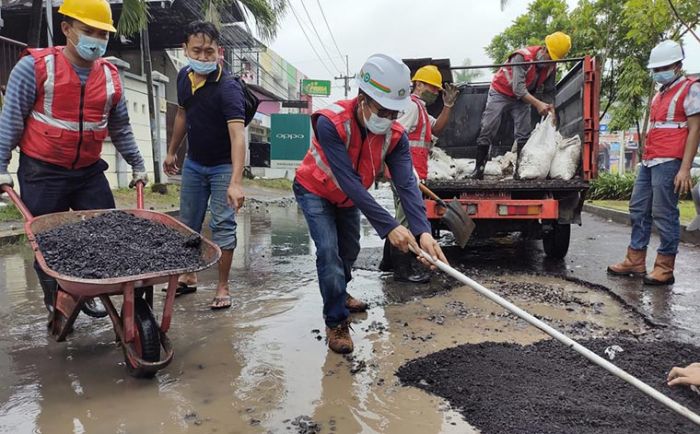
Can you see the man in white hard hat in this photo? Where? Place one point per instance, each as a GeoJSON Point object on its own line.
{"type": "Point", "coordinates": [671, 145]}
{"type": "Point", "coordinates": [352, 141]}
{"type": "Point", "coordinates": [420, 127]}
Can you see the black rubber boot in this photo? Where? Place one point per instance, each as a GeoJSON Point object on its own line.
{"type": "Point", "coordinates": [521, 145]}
{"type": "Point", "coordinates": [407, 268]}
{"type": "Point", "coordinates": [49, 285]}
{"type": "Point", "coordinates": [482, 156]}
{"type": "Point", "coordinates": [93, 307]}
{"type": "Point", "coordinates": [385, 264]}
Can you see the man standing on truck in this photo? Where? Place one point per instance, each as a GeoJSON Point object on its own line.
{"type": "Point", "coordinates": [61, 104]}
{"type": "Point", "coordinates": [512, 90]}
{"type": "Point", "coordinates": [671, 145]}
{"type": "Point", "coordinates": [420, 127]}
{"type": "Point", "coordinates": [351, 143]}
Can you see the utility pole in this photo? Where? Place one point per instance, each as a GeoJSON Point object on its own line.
{"type": "Point", "coordinates": [49, 23]}
{"type": "Point", "coordinates": [148, 70]}
{"type": "Point", "coordinates": [347, 77]}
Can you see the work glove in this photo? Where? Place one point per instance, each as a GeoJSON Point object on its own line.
{"type": "Point", "coordinates": [138, 176]}
{"type": "Point", "coordinates": [449, 95]}
{"type": "Point", "coordinates": [6, 179]}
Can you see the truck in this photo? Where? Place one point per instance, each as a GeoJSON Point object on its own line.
{"type": "Point", "coordinates": [536, 209]}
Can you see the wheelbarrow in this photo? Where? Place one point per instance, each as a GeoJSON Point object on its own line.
{"type": "Point", "coordinates": [145, 344]}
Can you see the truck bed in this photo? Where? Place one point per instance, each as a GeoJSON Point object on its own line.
{"type": "Point", "coordinates": [452, 187]}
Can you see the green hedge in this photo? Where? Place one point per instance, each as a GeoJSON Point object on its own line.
{"type": "Point", "coordinates": [610, 186]}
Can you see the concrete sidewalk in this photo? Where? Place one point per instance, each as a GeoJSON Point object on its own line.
{"type": "Point", "coordinates": [12, 232]}
{"type": "Point", "coordinates": [621, 217]}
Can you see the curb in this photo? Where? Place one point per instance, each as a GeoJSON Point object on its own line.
{"type": "Point", "coordinates": [623, 218]}
{"type": "Point", "coordinates": [15, 236]}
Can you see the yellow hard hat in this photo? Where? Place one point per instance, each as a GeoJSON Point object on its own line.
{"type": "Point", "coordinates": [429, 74]}
{"type": "Point", "coordinates": [558, 45]}
{"type": "Point", "coordinates": [94, 13]}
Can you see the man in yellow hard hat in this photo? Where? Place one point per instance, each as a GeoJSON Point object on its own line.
{"type": "Point", "coordinates": [61, 104]}
{"type": "Point", "coordinates": [420, 127]}
{"type": "Point", "coordinates": [512, 90]}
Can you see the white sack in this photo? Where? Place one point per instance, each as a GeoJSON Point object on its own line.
{"type": "Point", "coordinates": [566, 159]}
{"type": "Point", "coordinates": [538, 152]}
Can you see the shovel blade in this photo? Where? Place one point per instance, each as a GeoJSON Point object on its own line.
{"type": "Point", "coordinates": [459, 222]}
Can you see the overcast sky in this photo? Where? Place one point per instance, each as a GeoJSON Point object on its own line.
{"type": "Point", "coordinates": [454, 29]}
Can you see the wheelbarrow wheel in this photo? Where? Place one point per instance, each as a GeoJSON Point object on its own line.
{"type": "Point", "coordinates": [147, 339]}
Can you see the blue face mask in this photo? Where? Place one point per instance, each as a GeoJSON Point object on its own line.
{"type": "Point", "coordinates": [202, 68]}
{"type": "Point", "coordinates": [90, 48]}
{"type": "Point", "coordinates": [664, 77]}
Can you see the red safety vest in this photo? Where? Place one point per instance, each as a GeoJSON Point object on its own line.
{"type": "Point", "coordinates": [420, 139]}
{"type": "Point", "coordinates": [367, 156]}
{"type": "Point", "coordinates": [668, 127]}
{"type": "Point", "coordinates": [503, 80]}
{"type": "Point", "coordinates": [68, 122]}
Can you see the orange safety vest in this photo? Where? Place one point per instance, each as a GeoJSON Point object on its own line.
{"type": "Point", "coordinates": [503, 80]}
{"type": "Point", "coordinates": [420, 139]}
{"type": "Point", "coordinates": [68, 122]}
{"type": "Point", "coordinates": [367, 156]}
{"type": "Point", "coordinates": [668, 127]}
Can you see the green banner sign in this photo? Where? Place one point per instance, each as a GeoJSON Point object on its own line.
{"type": "Point", "coordinates": [316, 87]}
{"type": "Point", "coordinates": [290, 138]}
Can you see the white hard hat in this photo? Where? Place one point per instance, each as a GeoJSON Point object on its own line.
{"type": "Point", "coordinates": [666, 53]}
{"type": "Point", "coordinates": [387, 81]}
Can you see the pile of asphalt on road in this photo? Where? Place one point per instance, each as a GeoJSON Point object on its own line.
{"type": "Point", "coordinates": [548, 388]}
{"type": "Point", "coordinates": [117, 244]}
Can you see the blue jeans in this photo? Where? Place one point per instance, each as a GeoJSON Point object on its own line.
{"type": "Point", "coordinates": [206, 186]}
{"type": "Point", "coordinates": [336, 234]}
{"type": "Point", "coordinates": [653, 199]}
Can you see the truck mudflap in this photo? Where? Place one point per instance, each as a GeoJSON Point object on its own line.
{"type": "Point", "coordinates": [500, 209]}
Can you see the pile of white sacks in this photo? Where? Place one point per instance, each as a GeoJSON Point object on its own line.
{"type": "Point", "coordinates": [546, 154]}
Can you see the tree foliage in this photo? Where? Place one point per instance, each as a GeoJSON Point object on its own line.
{"type": "Point", "coordinates": [619, 33]}
{"type": "Point", "coordinates": [266, 13]}
{"type": "Point", "coordinates": [467, 75]}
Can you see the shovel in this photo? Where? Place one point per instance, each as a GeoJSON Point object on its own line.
{"type": "Point", "coordinates": [556, 334]}
{"type": "Point", "coordinates": [456, 218]}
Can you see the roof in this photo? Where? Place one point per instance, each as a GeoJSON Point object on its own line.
{"type": "Point", "coordinates": [165, 28]}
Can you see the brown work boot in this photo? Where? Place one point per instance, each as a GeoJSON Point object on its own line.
{"type": "Point", "coordinates": [662, 274]}
{"type": "Point", "coordinates": [635, 264]}
{"type": "Point", "coordinates": [354, 305]}
{"type": "Point", "coordinates": [339, 339]}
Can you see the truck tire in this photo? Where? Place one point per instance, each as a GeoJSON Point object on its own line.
{"type": "Point", "coordinates": [556, 241]}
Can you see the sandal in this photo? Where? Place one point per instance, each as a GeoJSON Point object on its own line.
{"type": "Point", "coordinates": [221, 302]}
{"type": "Point", "coordinates": [182, 289]}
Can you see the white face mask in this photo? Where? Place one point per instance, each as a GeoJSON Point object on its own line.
{"type": "Point", "coordinates": [376, 124]}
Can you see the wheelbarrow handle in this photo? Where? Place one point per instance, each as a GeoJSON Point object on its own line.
{"type": "Point", "coordinates": [14, 197]}
{"type": "Point", "coordinates": [139, 194]}
{"type": "Point", "coordinates": [428, 192]}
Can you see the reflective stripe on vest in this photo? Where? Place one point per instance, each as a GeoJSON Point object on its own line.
{"type": "Point", "coordinates": [49, 93]}
{"type": "Point", "coordinates": [348, 139]}
{"type": "Point", "coordinates": [423, 122]}
{"type": "Point", "coordinates": [670, 122]}
{"type": "Point", "coordinates": [668, 126]}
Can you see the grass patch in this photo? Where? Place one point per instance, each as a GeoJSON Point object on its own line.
{"type": "Point", "coordinates": [126, 198]}
{"type": "Point", "coordinates": [686, 206]}
{"type": "Point", "coordinates": [10, 213]}
{"type": "Point", "coordinates": [274, 183]}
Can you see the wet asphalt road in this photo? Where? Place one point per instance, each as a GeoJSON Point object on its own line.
{"type": "Point", "coordinates": [274, 369]}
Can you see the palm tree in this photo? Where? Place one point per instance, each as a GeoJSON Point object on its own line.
{"type": "Point", "coordinates": [266, 13]}
{"type": "Point", "coordinates": [504, 3]}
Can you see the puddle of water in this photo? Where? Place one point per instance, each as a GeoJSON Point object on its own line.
{"type": "Point", "coordinates": [258, 366]}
